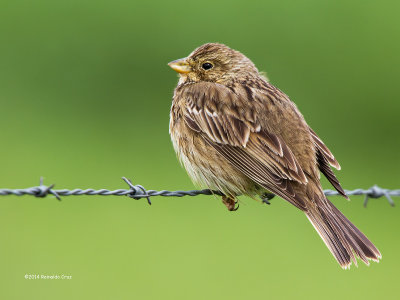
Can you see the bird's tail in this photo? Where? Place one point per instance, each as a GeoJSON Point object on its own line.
{"type": "Point", "coordinates": [342, 238]}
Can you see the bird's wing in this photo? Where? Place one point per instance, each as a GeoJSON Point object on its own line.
{"type": "Point", "coordinates": [214, 111]}
{"type": "Point", "coordinates": [325, 158]}
{"type": "Point", "coordinates": [325, 152]}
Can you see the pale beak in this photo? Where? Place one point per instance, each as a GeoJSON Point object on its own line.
{"type": "Point", "coordinates": [180, 66]}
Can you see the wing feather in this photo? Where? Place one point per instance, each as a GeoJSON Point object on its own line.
{"type": "Point", "coordinates": [260, 173]}
{"type": "Point", "coordinates": [325, 158]}
{"type": "Point", "coordinates": [324, 150]}
{"type": "Point", "coordinates": [253, 150]}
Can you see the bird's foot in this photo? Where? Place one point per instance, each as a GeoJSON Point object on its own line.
{"type": "Point", "coordinates": [266, 197]}
{"type": "Point", "coordinates": [230, 203]}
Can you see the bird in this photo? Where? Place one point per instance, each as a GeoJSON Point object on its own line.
{"type": "Point", "coordinates": [236, 133]}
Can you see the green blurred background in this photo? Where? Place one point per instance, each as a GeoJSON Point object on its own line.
{"type": "Point", "coordinates": [85, 93]}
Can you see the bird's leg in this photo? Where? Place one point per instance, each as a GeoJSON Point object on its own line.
{"type": "Point", "coordinates": [230, 203]}
{"type": "Point", "coordinates": [266, 197]}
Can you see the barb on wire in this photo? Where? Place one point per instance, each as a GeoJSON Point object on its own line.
{"type": "Point", "coordinates": [138, 192]}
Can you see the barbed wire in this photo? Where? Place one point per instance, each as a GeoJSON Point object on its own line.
{"type": "Point", "coordinates": [138, 192]}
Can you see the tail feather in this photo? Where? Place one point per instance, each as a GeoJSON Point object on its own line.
{"type": "Point", "coordinates": [344, 240]}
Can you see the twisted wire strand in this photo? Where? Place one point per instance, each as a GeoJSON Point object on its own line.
{"type": "Point", "coordinates": [138, 192]}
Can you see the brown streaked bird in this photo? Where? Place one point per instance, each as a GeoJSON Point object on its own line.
{"type": "Point", "coordinates": [236, 133]}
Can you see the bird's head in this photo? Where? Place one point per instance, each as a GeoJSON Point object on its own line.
{"type": "Point", "coordinates": [214, 62]}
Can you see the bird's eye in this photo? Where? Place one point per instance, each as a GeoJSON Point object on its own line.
{"type": "Point", "coordinates": [207, 66]}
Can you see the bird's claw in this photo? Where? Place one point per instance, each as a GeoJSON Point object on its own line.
{"type": "Point", "coordinates": [266, 197]}
{"type": "Point", "coordinates": [230, 203]}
